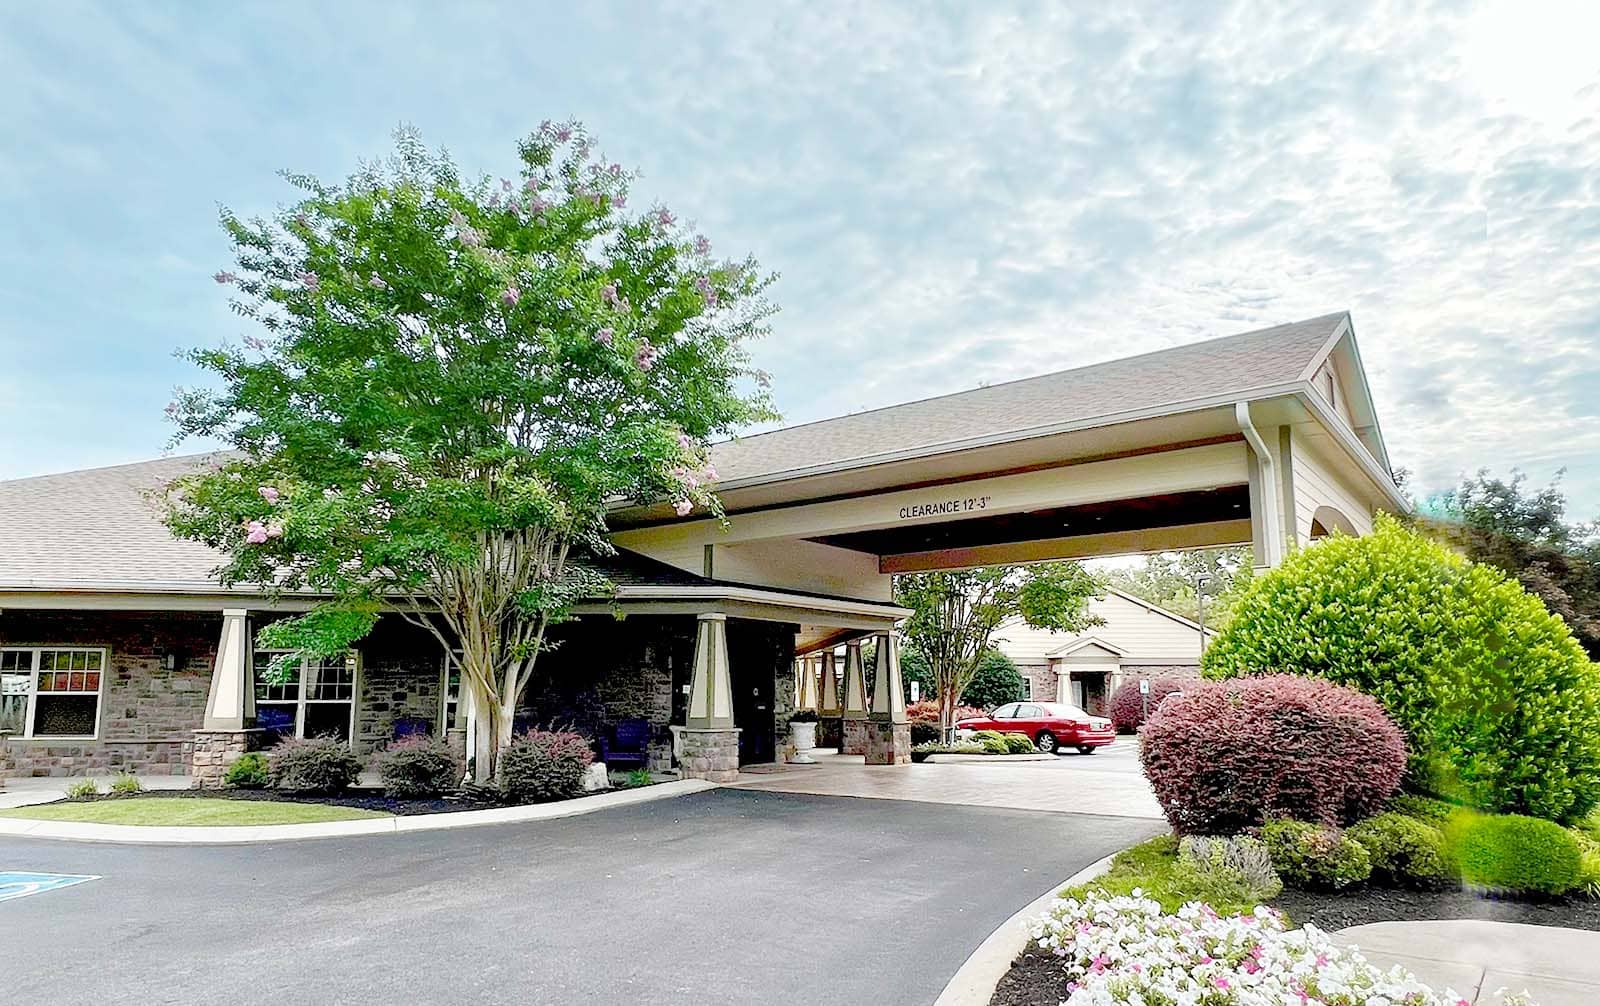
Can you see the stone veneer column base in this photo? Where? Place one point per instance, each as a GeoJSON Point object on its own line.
{"type": "Point", "coordinates": [214, 751]}
{"type": "Point", "coordinates": [830, 732]}
{"type": "Point", "coordinates": [855, 737]}
{"type": "Point", "coordinates": [712, 755]}
{"type": "Point", "coordinates": [888, 743]}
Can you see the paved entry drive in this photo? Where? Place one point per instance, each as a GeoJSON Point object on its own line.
{"type": "Point", "coordinates": [20, 885]}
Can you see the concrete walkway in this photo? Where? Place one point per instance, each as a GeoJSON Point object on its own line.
{"type": "Point", "coordinates": [48, 789]}
{"type": "Point", "coordinates": [1558, 967]}
{"type": "Point", "coordinates": [1108, 783]}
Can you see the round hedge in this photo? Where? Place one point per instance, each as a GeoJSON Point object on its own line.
{"type": "Point", "coordinates": [1511, 852]}
{"type": "Point", "coordinates": [1226, 756]}
{"type": "Point", "coordinates": [1127, 705]}
{"type": "Point", "coordinates": [1500, 703]}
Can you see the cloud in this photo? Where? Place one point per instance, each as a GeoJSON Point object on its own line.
{"type": "Point", "coordinates": [953, 196]}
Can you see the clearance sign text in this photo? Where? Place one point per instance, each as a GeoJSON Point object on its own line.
{"type": "Point", "coordinates": [944, 507]}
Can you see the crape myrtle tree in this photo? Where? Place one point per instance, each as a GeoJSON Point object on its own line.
{"type": "Point", "coordinates": [450, 381]}
{"type": "Point", "coordinates": [955, 614]}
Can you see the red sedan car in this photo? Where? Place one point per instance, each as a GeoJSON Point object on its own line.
{"type": "Point", "coordinates": [1050, 725]}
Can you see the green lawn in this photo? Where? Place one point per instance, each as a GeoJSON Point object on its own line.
{"type": "Point", "coordinates": [196, 812]}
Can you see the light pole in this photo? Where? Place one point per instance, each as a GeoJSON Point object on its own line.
{"type": "Point", "coordinates": [1200, 581]}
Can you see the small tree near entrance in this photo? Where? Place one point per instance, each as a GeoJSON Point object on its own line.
{"type": "Point", "coordinates": [955, 615]}
{"type": "Point", "coordinates": [449, 383]}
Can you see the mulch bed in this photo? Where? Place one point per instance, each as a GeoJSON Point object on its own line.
{"type": "Point", "coordinates": [1036, 978]}
{"type": "Point", "coordinates": [359, 799]}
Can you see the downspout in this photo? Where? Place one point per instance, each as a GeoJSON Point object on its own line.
{"type": "Point", "coordinates": [1272, 551]}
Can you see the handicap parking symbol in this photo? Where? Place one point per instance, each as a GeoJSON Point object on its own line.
{"type": "Point", "coordinates": [20, 885]}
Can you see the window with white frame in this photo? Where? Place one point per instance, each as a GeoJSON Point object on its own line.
{"type": "Point", "coordinates": [450, 693]}
{"type": "Point", "coordinates": [1027, 686]}
{"type": "Point", "coordinates": [300, 695]}
{"type": "Point", "coordinates": [51, 691]}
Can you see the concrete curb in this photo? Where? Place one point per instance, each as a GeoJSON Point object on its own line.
{"type": "Point", "coordinates": [135, 834]}
{"type": "Point", "coordinates": [952, 758]}
{"type": "Point", "coordinates": [974, 983]}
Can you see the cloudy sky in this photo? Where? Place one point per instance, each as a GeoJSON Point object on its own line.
{"type": "Point", "coordinates": [952, 196]}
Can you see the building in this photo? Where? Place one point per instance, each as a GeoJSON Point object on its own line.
{"type": "Point", "coordinates": [119, 649]}
{"type": "Point", "coordinates": [1136, 639]}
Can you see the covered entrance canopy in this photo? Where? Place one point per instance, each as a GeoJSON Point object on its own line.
{"type": "Point", "coordinates": [1268, 438]}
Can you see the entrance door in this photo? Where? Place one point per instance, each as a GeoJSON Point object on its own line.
{"type": "Point", "coordinates": [753, 663]}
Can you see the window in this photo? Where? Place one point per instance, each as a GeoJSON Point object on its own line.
{"type": "Point", "coordinates": [306, 696]}
{"type": "Point", "coordinates": [51, 691]}
{"type": "Point", "coordinates": [1027, 686]}
{"type": "Point", "coordinates": [1029, 713]}
{"type": "Point", "coordinates": [450, 693]}
{"type": "Point", "coordinates": [1005, 712]}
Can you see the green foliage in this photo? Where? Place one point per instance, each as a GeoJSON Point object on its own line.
{"type": "Point", "coordinates": [1426, 809]}
{"type": "Point", "coordinates": [449, 382]}
{"type": "Point", "coordinates": [83, 789]}
{"type": "Point", "coordinates": [995, 745]}
{"type": "Point", "coordinates": [1168, 579]}
{"type": "Point", "coordinates": [638, 777]}
{"type": "Point", "coordinates": [126, 784]}
{"type": "Point", "coordinates": [1403, 849]}
{"type": "Point", "coordinates": [1525, 533]}
{"type": "Point", "coordinates": [955, 614]}
{"type": "Point", "coordinates": [418, 767]}
{"type": "Point", "coordinates": [248, 771]}
{"type": "Point", "coordinates": [995, 682]}
{"type": "Point", "coordinates": [1153, 867]}
{"type": "Point", "coordinates": [1314, 856]}
{"type": "Point", "coordinates": [1500, 705]}
{"type": "Point", "coordinates": [1239, 862]}
{"type": "Point", "coordinates": [1510, 852]}
{"type": "Point", "coordinates": [1019, 744]}
{"type": "Point", "coordinates": [316, 766]}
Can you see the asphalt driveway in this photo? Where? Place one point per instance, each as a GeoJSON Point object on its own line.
{"type": "Point", "coordinates": [721, 897]}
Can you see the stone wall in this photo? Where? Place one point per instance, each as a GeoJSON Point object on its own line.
{"type": "Point", "coordinates": [1042, 680]}
{"type": "Point", "coordinates": [401, 668]}
{"type": "Point", "coordinates": [214, 751]}
{"type": "Point", "coordinates": [147, 714]}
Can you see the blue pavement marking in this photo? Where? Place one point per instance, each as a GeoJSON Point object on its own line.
{"type": "Point", "coordinates": [20, 885]}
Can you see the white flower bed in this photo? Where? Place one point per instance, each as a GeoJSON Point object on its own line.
{"type": "Point", "coordinates": [1122, 951]}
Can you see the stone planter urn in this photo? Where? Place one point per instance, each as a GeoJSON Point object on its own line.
{"type": "Point", "coordinates": [803, 734]}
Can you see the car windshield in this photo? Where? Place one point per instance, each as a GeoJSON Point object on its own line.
{"type": "Point", "coordinates": [1062, 711]}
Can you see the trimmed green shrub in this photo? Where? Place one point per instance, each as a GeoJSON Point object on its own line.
{"type": "Point", "coordinates": [1423, 808]}
{"type": "Point", "coordinates": [126, 784]}
{"type": "Point", "coordinates": [1239, 863]}
{"type": "Point", "coordinates": [418, 767]}
{"type": "Point", "coordinates": [1019, 744]}
{"type": "Point", "coordinates": [1510, 852]}
{"type": "Point", "coordinates": [920, 752]}
{"type": "Point", "coordinates": [248, 771]}
{"type": "Point", "coordinates": [83, 789]}
{"type": "Point", "coordinates": [996, 745]}
{"type": "Point", "coordinates": [1315, 857]}
{"type": "Point", "coordinates": [1500, 704]}
{"type": "Point", "coordinates": [1403, 849]}
{"type": "Point", "coordinates": [317, 766]}
{"type": "Point", "coordinates": [1226, 756]}
{"type": "Point", "coordinates": [543, 765]}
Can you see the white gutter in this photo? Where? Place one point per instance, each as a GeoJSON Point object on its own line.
{"type": "Point", "coordinates": [1271, 518]}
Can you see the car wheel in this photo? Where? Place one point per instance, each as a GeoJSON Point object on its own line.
{"type": "Point", "coordinates": [1087, 750]}
{"type": "Point", "coordinates": [1045, 742]}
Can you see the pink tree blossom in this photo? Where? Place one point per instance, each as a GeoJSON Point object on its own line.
{"type": "Point", "coordinates": [682, 508]}
{"type": "Point", "coordinates": [603, 337]}
{"type": "Point", "coordinates": [646, 355]}
{"type": "Point", "coordinates": [268, 493]}
{"type": "Point", "coordinates": [377, 283]}
{"type": "Point", "coordinates": [255, 533]}
{"type": "Point", "coordinates": [510, 297]}
{"type": "Point", "coordinates": [225, 277]}
{"type": "Point", "coordinates": [309, 280]}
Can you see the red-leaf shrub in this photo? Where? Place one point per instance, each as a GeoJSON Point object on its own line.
{"type": "Point", "coordinates": [924, 719]}
{"type": "Point", "coordinates": [1230, 755]}
{"type": "Point", "coordinates": [544, 765]}
{"type": "Point", "coordinates": [1127, 705]}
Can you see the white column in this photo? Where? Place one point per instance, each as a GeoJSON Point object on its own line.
{"type": "Point", "coordinates": [888, 694]}
{"type": "Point", "coordinates": [711, 688]}
{"type": "Point", "coordinates": [855, 682]}
{"type": "Point", "coordinates": [231, 700]}
{"type": "Point", "coordinates": [808, 685]}
{"type": "Point", "coordinates": [829, 705]}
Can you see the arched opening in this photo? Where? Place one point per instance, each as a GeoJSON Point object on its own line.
{"type": "Point", "coordinates": [1328, 520]}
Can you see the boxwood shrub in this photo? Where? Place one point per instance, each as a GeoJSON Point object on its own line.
{"type": "Point", "coordinates": [1314, 856]}
{"type": "Point", "coordinates": [417, 767]}
{"type": "Point", "coordinates": [1226, 756]}
{"type": "Point", "coordinates": [1511, 852]}
{"type": "Point", "coordinates": [543, 765]}
{"type": "Point", "coordinates": [248, 771]}
{"type": "Point", "coordinates": [320, 766]}
{"type": "Point", "coordinates": [1500, 704]}
{"type": "Point", "coordinates": [1404, 850]}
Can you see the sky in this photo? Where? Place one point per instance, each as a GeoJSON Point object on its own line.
{"type": "Point", "coordinates": [951, 195]}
